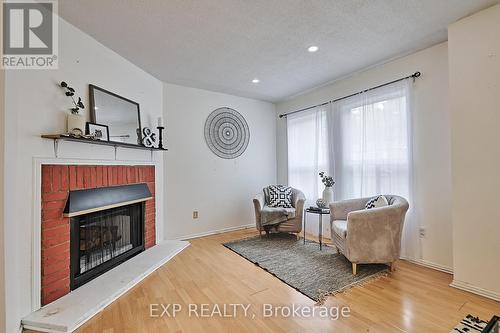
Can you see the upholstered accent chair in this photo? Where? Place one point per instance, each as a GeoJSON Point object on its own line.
{"type": "Point", "coordinates": [366, 236]}
{"type": "Point", "coordinates": [294, 222]}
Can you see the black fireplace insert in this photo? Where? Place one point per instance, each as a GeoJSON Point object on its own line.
{"type": "Point", "coordinates": [102, 240]}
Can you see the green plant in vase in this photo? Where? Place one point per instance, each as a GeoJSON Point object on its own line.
{"type": "Point", "coordinates": [75, 120]}
{"type": "Point", "coordinates": [328, 191]}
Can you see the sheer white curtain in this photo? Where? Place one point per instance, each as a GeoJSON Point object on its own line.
{"type": "Point", "coordinates": [371, 150]}
{"type": "Point", "coordinates": [307, 135]}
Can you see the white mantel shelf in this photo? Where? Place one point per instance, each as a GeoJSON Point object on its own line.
{"type": "Point", "coordinates": [72, 310]}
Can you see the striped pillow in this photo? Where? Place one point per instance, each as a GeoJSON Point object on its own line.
{"type": "Point", "coordinates": [378, 201]}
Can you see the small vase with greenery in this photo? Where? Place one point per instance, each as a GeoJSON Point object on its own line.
{"type": "Point", "coordinates": [328, 191]}
{"type": "Point", "coordinates": [75, 121]}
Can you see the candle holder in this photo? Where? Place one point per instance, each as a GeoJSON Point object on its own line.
{"type": "Point", "coordinates": [160, 136]}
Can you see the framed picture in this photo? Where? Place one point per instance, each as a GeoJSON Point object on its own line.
{"type": "Point", "coordinates": [98, 131]}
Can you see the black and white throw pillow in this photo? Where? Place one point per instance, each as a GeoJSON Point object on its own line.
{"type": "Point", "coordinates": [280, 196]}
{"type": "Point", "coordinates": [378, 201]}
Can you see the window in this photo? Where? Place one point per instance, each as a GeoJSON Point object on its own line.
{"type": "Point", "coordinates": [374, 147]}
{"type": "Point", "coordinates": [307, 150]}
{"type": "Point", "coordinates": [365, 142]}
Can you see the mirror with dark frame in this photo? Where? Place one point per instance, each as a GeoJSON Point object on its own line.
{"type": "Point", "coordinates": [120, 114]}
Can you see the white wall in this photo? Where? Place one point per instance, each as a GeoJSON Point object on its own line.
{"type": "Point", "coordinates": [2, 192]}
{"type": "Point", "coordinates": [196, 179]}
{"type": "Point", "coordinates": [474, 54]}
{"type": "Point", "coordinates": [432, 139]}
{"type": "Point", "coordinates": [35, 105]}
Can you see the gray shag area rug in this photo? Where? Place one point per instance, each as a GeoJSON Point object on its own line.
{"type": "Point", "coordinates": [312, 272]}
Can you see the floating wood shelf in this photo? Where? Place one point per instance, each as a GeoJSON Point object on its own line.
{"type": "Point", "coordinates": [61, 137]}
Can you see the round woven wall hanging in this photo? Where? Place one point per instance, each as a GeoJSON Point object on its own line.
{"type": "Point", "coordinates": [226, 133]}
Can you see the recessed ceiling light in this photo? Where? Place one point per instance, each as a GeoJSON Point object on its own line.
{"type": "Point", "coordinates": [255, 81]}
{"type": "Point", "coordinates": [313, 49]}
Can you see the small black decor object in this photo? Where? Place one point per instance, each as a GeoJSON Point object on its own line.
{"type": "Point", "coordinates": [70, 92]}
{"type": "Point", "coordinates": [160, 133]}
{"type": "Point", "coordinates": [148, 138]}
{"type": "Point", "coordinates": [98, 131]}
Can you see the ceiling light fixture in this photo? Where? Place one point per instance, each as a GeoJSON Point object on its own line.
{"type": "Point", "coordinates": [255, 81]}
{"type": "Point", "coordinates": [312, 49]}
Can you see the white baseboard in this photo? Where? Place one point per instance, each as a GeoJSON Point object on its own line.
{"type": "Point", "coordinates": [215, 232]}
{"type": "Point", "coordinates": [429, 264]}
{"type": "Point", "coordinates": [475, 290]}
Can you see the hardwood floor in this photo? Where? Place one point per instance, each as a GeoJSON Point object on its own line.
{"type": "Point", "coordinates": [411, 299]}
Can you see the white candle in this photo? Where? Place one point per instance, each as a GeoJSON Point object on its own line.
{"type": "Point", "coordinates": [160, 122]}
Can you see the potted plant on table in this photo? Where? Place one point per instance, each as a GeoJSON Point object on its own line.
{"type": "Point", "coordinates": [328, 191]}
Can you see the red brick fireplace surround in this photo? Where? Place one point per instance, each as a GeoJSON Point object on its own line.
{"type": "Point", "coordinates": [57, 181]}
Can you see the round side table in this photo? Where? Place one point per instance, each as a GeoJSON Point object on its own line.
{"type": "Point", "coordinates": [320, 213]}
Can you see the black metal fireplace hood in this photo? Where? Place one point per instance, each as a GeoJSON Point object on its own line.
{"type": "Point", "coordinates": [92, 200]}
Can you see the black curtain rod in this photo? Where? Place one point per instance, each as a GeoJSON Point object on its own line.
{"type": "Point", "coordinates": [414, 76]}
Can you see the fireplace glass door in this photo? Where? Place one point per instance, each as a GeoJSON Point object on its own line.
{"type": "Point", "coordinates": [104, 239]}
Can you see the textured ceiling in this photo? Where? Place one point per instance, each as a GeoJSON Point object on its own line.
{"type": "Point", "coordinates": [222, 45]}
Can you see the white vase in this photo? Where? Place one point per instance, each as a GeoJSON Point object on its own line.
{"type": "Point", "coordinates": [328, 194]}
{"type": "Point", "coordinates": [76, 124]}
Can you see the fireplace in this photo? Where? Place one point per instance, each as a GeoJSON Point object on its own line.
{"type": "Point", "coordinates": [106, 228]}
{"type": "Point", "coordinates": [94, 217]}
{"type": "Point", "coordinates": [103, 240]}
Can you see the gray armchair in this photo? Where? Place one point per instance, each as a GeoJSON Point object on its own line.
{"type": "Point", "coordinates": [294, 222]}
{"type": "Point", "coordinates": [367, 236]}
